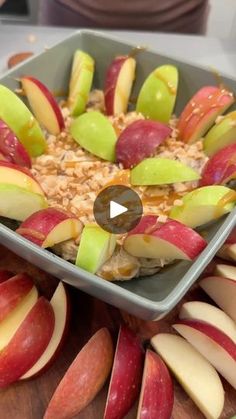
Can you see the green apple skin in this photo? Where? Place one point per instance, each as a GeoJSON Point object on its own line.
{"type": "Point", "coordinates": [160, 171]}
{"type": "Point", "coordinates": [221, 134]}
{"type": "Point", "coordinates": [95, 248]}
{"type": "Point", "coordinates": [21, 121]}
{"type": "Point", "coordinates": [95, 133]}
{"type": "Point", "coordinates": [203, 205]}
{"type": "Point", "coordinates": [18, 204]}
{"type": "Point", "coordinates": [80, 82]}
{"type": "Point", "coordinates": [157, 96]}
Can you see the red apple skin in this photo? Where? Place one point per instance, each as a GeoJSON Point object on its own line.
{"type": "Point", "coordinates": [28, 343]}
{"type": "Point", "coordinates": [24, 170]}
{"type": "Point", "coordinates": [11, 148]}
{"type": "Point", "coordinates": [84, 378]}
{"type": "Point", "coordinates": [126, 375]}
{"type": "Point", "coordinates": [181, 236]}
{"type": "Point", "coordinates": [12, 292]}
{"type": "Point", "coordinates": [110, 83]}
{"type": "Point", "coordinates": [139, 141]}
{"type": "Point", "coordinates": [50, 99]}
{"type": "Point", "coordinates": [38, 225]}
{"type": "Point", "coordinates": [157, 395]}
{"type": "Point", "coordinates": [220, 168]}
{"type": "Point", "coordinates": [231, 239]}
{"type": "Point", "coordinates": [4, 275]}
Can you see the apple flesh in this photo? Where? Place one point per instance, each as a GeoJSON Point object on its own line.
{"type": "Point", "coordinates": [13, 174]}
{"type": "Point", "coordinates": [222, 134]}
{"type": "Point", "coordinates": [157, 96]}
{"type": "Point", "coordinates": [60, 305]}
{"type": "Point", "coordinates": [95, 248]}
{"type": "Point", "coordinates": [227, 252]}
{"type": "Point", "coordinates": [201, 112]}
{"type": "Point", "coordinates": [139, 141]}
{"type": "Point", "coordinates": [170, 240]}
{"type": "Point", "coordinates": [21, 122]}
{"type": "Point", "coordinates": [157, 394]}
{"type": "Point", "coordinates": [126, 375]}
{"type": "Point", "coordinates": [226, 271]}
{"type": "Point", "coordinates": [221, 168]}
{"type": "Point", "coordinates": [198, 310]}
{"type": "Point", "coordinates": [118, 84]}
{"type": "Point", "coordinates": [203, 205]}
{"type": "Point", "coordinates": [80, 82]}
{"type": "Point", "coordinates": [213, 344]}
{"type": "Point", "coordinates": [194, 373]}
{"type": "Point", "coordinates": [95, 133]}
{"type": "Point", "coordinates": [161, 171]}
{"type": "Point", "coordinates": [84, 378]}
{"type": "Point", "coordinates": [11, 148]}
{"type": "Point", "coordinates": [50, 226]}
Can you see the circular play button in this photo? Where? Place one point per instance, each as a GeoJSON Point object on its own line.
{"type": "Point", "coordinates": [117, 209]}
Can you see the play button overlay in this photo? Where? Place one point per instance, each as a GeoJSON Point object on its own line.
{"type": "Point", "coordinates": [117, 209]}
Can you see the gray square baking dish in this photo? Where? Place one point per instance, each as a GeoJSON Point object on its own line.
{"type": "Point", "coordinates": [152, 297]}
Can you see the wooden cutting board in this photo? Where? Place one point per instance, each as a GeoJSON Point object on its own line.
{"type": "Point", "coordinates": [28, 400]}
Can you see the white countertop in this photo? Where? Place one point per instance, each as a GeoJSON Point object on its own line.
{"type": "Point", "coordinates": [210, 52]}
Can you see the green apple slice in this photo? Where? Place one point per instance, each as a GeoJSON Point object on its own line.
{"type": "Point", "coordinates": [160, 171]}
{"type": "Point", "coordinates": [221, 134]}
{"type": "Point", "coordinates": [80, 82]}
{"type": "Point", "coordinates": [95, 133]}
{"type": "Point", "coordinates": [204, 205]}
{"type": "Point", "coordinates": [95, 248]}
{"type": "Point", "coordinates": [157, 96]}
{"type": "Point", "coordinates": [17, 203]}
{"type": "Point", "coordinates": [21, 121]}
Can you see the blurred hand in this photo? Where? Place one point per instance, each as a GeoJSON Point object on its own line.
{"type": "Point", "coordinates": [1, 2]}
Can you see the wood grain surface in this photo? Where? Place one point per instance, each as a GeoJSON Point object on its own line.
{"type": "Point", "coordinates": [28, 399]}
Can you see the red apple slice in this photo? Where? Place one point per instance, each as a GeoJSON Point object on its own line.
{"type": "Point", "coordinates": [4, 275]}
{"type": "Point", "coordinates": [213, 344]}
{"type": "Point", "coordinates": [170, 240]}
{"type": "Point", "coordinates": [50, 226]}
{"type": "Point", "coordinates": [157, 394]}
{"type": "Point", "coordinates": [84, 378]}
{"type": "Point", "coordinates": [60, 305]}
{"type": "Point", "coordinates": [11, 148]}
{"type": "Point", "coordinates": [28, 343]}
{"type": "Point", "coordinates": [43, 104]}
{"type": "Point", "coordinates": [12, 174]}
{"type": "Point", "coordinates": [126, 375]}
{"type": "Point", "coordinates": [221, 168]}
{"type": "Point", "coordinates": [118, 84]}
{"type": "Point", "coordinates": [139, 141]}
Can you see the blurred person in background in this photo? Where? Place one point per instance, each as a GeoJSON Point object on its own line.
{"type": "Point", "coordinates": [186, 16]}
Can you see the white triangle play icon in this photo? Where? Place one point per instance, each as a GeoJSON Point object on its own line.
{"type": "Point", "coordinates": [116, 209]}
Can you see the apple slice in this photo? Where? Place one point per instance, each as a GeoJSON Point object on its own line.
{"type": "Point", "coordinates": [50, 226]}
{"type": "Point", "coordinates": [28, 343]}
{"type": "Point", "coordinates": [170, 240]}
{"type": "Point", "coordinates": [17, 203]}
{"type": "Point", "coordinates": [95, 133]}
{"type": "Point", "coordinates": [95, 248]}
{"type": "Point", "coordinates": [140, 140]}
{"type": "Point", "coordinates": [221, 168]}
{"type": "Point", "coordinates": [160, 171]}
{"type": "Point", "coordinates": [227, 252]}
{"type": "Point", "coordinates": [213, 344]}
{"type": "Point", "coordinates": [19, 176]}
{"type": "Point", "coordinates": [118, 84]}
{"type": "Point", "coordinates": [12, 292]}
{"type": "Point", "coordinates": [43, 105]}
{"type": "Point", "coordinates": [4, 275]}
{"type": "Point", "coordinates": [60, 305]}
{"type": "Point", "coordinates": [201, 112]}
{"type": "Point", "coordinates": [84, 378]}
{"type": "Point", "coordinates": [157, 96]}
{"type": "Point", "coordinates": [21, 122]}
{"type": "Point", "coordinates": [203, 205]}
{"type": "Point", "coordinates": [197, 310]}
{"type": "Point", "coordinates": [80, 82]}
{"type": "Point", "coordinates": [198, 378]}
{"type": "Point", "coordinates": [157, 394]}
{"type": "Point", "coordinates": [222, 134]}
{"type": "Point", "coordinates": [126, 375]}
{"type": "Point", "coordinates": [226, 271]}
{"type": "Point", "coordinates": [11, 148]}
